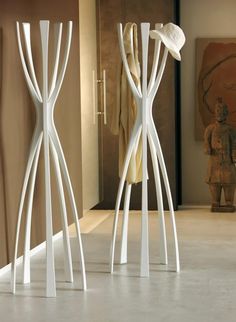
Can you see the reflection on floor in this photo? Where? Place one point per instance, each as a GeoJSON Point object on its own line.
{"type": "Point", "coordinates": [204, 290]}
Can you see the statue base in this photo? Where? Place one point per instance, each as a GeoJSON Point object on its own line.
{"type": "Point", "coordinates": [223, 208]}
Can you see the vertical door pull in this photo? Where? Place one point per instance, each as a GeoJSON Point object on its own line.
{"type": "Point", "coordinates": [94, 98]}
{"type": "Point", "coordinates": [104, 97]}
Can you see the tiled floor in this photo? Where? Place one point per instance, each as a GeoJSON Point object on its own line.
{"type": "Point", "coordinates": [204, 290]}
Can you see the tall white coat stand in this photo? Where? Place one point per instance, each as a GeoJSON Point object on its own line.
{"type": "Point", "coordinates": [145, 127]}
{"type": "Point", "coordinates": [45, 135]}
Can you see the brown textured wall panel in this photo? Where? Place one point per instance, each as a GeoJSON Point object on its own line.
{"type": "Point", "coordinates": [3, 228]}
{"type": "Point", "coordinates": [112, 12]}
{"type": "Point", "coordinates": [18, 116]}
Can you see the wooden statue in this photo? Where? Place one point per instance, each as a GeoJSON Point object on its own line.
{"type": "Point", "coordinates": [220, 145]}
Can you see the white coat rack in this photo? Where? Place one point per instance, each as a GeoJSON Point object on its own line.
{"type": "Point", "coordinates": [144, 125]}
{"type": "Point", "coordinates": [45, 135]}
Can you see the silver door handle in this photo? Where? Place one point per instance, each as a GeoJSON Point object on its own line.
{"type": "Point", "coordinates": [95, 107]}
{"type": "Point", "coordinates": [104, 96]}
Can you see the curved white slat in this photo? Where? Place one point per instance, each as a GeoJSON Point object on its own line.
{"type": "Point", "coordinates": [57, 48]}
{"type": "Point", "coordinates": [136, 92]}
{"type": "Point", "coordinates": [35, 141]}
{"type": "Point", "coordinates": [57, 145]}
{"type": "Point", "coordinates": [66, 238]}
{"type": "Point", "coordinates": [155, 59]}
{"type": "Point", "coordinates": [135, 133]}
{"type": "Point", "coordinates": [156, 142]}
{"type": "Point", "coordinates": [132, 56]}
{"type": "Point", "coordinates": [155, 87]}
{"type": "Point", "coordinates": [57, 88]}
{"type": "Point", "coordinates": [26, 31]}
{"type": "Point", "coordinates": [32, 90]}
{"type": "Point", "coordinates": [163, 242]}
{"type": "Point", "coordinates": [26, 255]}
{"type": "Point", "coordinates": [124, 234]}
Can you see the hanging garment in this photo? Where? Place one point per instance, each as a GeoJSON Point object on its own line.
{"type": "Point", "coordinates": [123, 117]}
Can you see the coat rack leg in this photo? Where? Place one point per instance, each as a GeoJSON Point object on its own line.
{"type": "Point", "coordinates": [124, 234]}
{"type": "Point", "coordinates": [56, 143]}
{"type": "Point", "coordinates": [144, 262]}
{"type": "Point", "coordinates": [51, 283]}
{"type": "Point", "coordinates": [156, 142]}
{"type": "Point", "coordinates": [26, 256]}
{"type": "Point", "coordinates": [135, 134]}
{"type": "Point", "coordinates": [32, 153]}
{"type": "Point", "coordinates": [162, 227]}
{"type": "Point", "coordinates": [66, 238]}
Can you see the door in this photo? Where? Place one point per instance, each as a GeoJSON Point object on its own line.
{"type": "Point", "coordinates": [112, 12]}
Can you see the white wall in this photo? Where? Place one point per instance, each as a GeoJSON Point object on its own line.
{"type": "Point", "coordinates": [199, 18]}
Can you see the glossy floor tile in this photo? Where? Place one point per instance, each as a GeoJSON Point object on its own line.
{"type": "Point", "coordinates": [204, 290]}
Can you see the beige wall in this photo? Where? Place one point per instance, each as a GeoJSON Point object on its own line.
{"type": "Point", "coordinates": [201, 18]}
{"type": "Point", "coordinates": [89, 130]}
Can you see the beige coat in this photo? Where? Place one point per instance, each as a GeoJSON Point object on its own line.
{"type": "Point", "coordinates": [123, 117]}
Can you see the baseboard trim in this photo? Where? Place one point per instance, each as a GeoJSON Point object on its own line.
{"type": "Point", "coordinates": [183, 207]}
{"type": "Point", "coordinates": [33, 252]}
{"type": "Point", "coordinates": [89, 222]}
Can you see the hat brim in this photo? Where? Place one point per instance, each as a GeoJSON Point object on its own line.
{"type": "Point", "coordinates": [172, 48]}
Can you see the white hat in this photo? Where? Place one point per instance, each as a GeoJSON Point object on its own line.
{"type": "Point", "coordinates": [172, 36]}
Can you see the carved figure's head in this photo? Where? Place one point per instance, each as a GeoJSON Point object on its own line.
{"type": "Point", "coordinates": [221, 110]}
